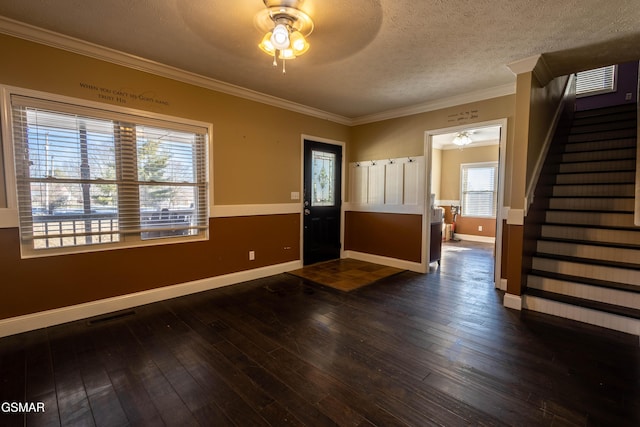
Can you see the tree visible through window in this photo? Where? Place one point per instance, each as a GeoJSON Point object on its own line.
{"type": "Point", "coordinates": [95, 177]}
{"type": "Point", "coordinates": [479, 183]}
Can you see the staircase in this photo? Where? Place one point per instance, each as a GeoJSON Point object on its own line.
{"type": "Point", "coordinates": [586, 264]}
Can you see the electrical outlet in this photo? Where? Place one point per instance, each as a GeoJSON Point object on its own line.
{"type": "Point", "coordinates": [628, 96]}
{"type": "Point", "coordinates": [252, 255]}
{"type": "Point", "coordinates": [479, 228]}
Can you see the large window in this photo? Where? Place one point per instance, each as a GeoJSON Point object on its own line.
{"type": "Point", "coordinates": [89, 178]}
{"type": "Point", "coordinates": [596, 81]}
{"type": "Point", "coordinates": [479, 184]}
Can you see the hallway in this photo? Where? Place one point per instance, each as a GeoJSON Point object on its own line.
{"type": "Point", "coordinates": [435, 349]}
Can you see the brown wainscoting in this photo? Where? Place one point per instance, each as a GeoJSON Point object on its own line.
{"type": "Point", "coordinates": [505, 252]}
{"type": "Point", "coordinates": [391, 235]}
{"type": "Point", "coordinates": [38, 284]}
{"type": "Point", "coordinates": [515, 244]}
{"type": "Point", "coordinates": [469, 225]}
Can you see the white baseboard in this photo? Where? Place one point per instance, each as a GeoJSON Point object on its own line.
{"type": "Point", "coordinates": [474, 238]}
{"type": "Point", "coordinates": [513, 301]}
{"type": "Point", "coordinates": [43, 319]}
{"type": "Point", "coordinates": [382, 260]}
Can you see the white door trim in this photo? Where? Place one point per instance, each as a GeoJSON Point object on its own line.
{"type": "Point", "coordinates": [428, 145]}
{"type": "Point", "coordinates": [342, 144]}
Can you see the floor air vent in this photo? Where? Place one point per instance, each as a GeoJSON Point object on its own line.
{"type": "Point", "coordinates": [110, 317]}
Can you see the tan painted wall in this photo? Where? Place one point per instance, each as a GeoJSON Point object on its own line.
{"type": "Point", "coordinates": [517, 156]}
{"type": "Point", "coordinates": [535, 109]}
{"type": "Point", "coordinates": [451, 161]}
{"type": "Point", "coordinates": [256, 147]}
{"type": "Point", "coordinates": [544, 103]}
{"type": "Point", "coordinates": [257, 160]}
{"type": "Point", "coordinates": [405, 136]}
{"type": "Point", "coordinates": [535, 106]}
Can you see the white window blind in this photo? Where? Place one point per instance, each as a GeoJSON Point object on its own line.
{"type": "Point", "coordinates": [88, 177]}
{"type": "Point", "coordinates": [479, 182]}
{"type": "Point", "coordinates": [596, 81]}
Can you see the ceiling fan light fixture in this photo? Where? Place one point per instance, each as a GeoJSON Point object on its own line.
{"type": "Point", "coordinates": [298, 43]}
{"type": "Point", "coordinates": [287, 53]}
{"type": "Point", "coordinates": [266, 46]}
{"type": "Point", "coordinates": [462, 139]}
{"type": "Point", "coordinates": [286, 27]}
{"type": "Point", "coordinates": [280, 37]}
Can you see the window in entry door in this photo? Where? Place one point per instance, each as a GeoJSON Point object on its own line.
{"type": "Point", "coordinates": [323, 178]}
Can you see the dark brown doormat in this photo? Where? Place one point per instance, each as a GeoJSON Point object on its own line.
{"type": "Point", "coordinates": [345, 274]}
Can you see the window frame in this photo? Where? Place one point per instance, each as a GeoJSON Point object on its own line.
{"type": "Point", "coordinates": [464, 166]}
{"type": "Point", "coordinates": [116, 113]}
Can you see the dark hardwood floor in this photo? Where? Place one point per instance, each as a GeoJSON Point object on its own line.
{"type": "Point", "coordinates": [420, 350]}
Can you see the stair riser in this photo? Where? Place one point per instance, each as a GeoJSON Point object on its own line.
{"type": "Point", "coordinates": [586, 121]}
{"type": "Point", "coordinates": [590, 252]}
{"type": "Point", "coordinates": [588, 271]}
{"type": "Point", "coordinates": [616, 237]}
{"type": "Point", "coordinates": [599, 136]}
{"type": "Point", "coordinates": [580, 314]}
{"type": "Point", "coordinates": [597, 178]}
{"type": "Point", "coordinates": [608, 126]}
{"type": "Point", "coordinates": [584, 291]}
{"type": "Point", "coordinates": [600, 219]}
{"type": "Point", "coordinates": [611, 166]}
{"type": "Point", "coordinates": [617, 144]}
{"type": "Point", "coordinates": [597, 156]}
{"type": "Point", "coordinates": [609, 112]}
{"type": "Point", "coordinates": [592, 204]}
{"type": "Point", "coordinates": [594, 190]}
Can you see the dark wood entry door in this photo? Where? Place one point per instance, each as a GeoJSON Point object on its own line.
{"type": "Point", "coordinates": [322, 201]}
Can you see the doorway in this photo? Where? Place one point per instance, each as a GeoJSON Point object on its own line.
{"type": "Point", "coordinates": [434, 140]}
{"type": "Point", "coordinates": [322, 201]}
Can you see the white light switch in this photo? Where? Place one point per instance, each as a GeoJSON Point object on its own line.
{"type": "Point", "coordinates": [295, 195]}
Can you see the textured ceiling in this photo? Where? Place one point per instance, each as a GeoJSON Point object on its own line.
{"type": "Point", "coordinates": [366, 56]}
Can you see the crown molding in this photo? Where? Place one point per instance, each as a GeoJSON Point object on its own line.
{"type": "Point", "coordinates": [535, 64]}
{"type": "Point", "coordinates": [60, 41]}
{"type": "Point", "coordinates": [438, 104]}
{"type": "Point", "coordinates": [524, 65]}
